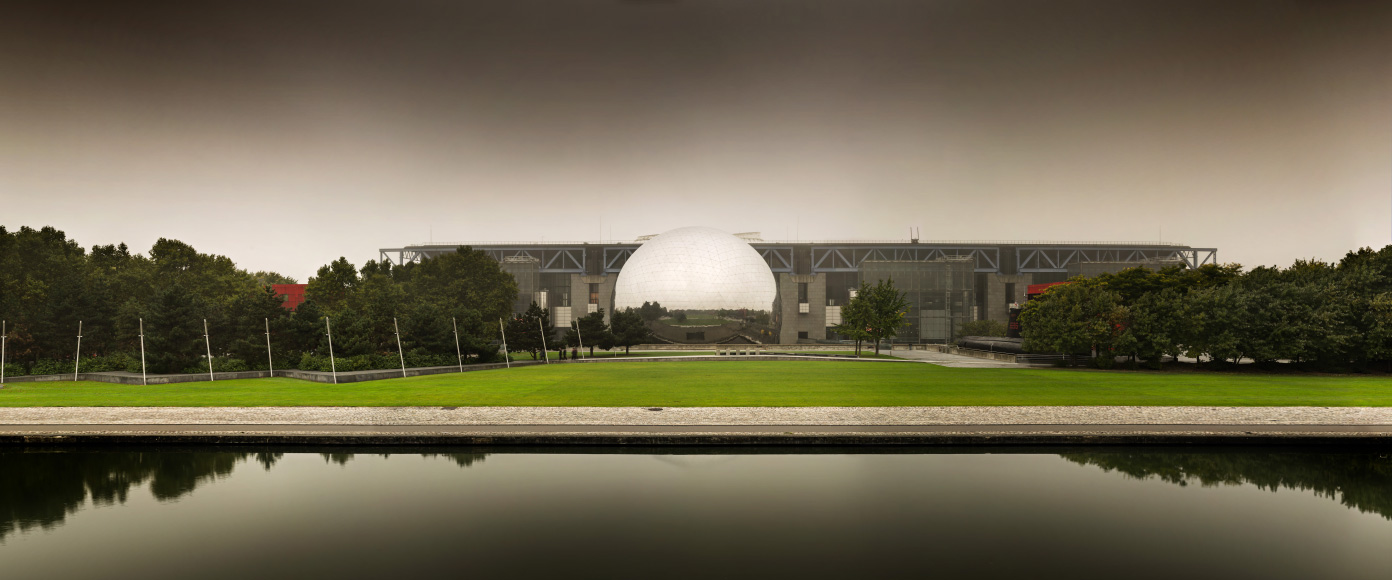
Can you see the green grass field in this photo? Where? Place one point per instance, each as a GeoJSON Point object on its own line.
{"type": "Point", "coordinates": [516, 356]}
{"type": "Point", "coordinates": [812, 383]}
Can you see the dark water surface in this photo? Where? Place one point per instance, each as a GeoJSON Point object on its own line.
{"type": "Point", "coordinates": [608, 513]}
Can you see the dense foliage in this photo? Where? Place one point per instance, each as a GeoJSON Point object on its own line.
{"type": "Point", "coordinates": [1316, 315]}
{"type": "Point", "coordinates": [984, 327]}
{"type": "Point", "coordinates": [875, 313]}
{"type": "Point", "coordinates": [48, 284]}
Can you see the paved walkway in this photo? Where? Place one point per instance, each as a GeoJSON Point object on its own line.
{"type": "Point", "coordinates": [955, 360]}
{"type": "Point", "coordinates": [728, 416]}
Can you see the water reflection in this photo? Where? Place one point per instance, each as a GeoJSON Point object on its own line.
{"type": "Point", "coordinates": [1357, 480]}
{"type": "Point", "coordinates": [40, 489]}
{"type": "Point", "coordinates": [460, 459]}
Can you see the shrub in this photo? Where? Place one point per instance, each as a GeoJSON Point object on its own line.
{"type": "Point", "coordinates": [221, 365]}
{"type": "Point", "coordinates": [51, 367]}
{"type": "Point", "coordinates": [14, 369]}
{"type": "Point", "coordinates": [980, 328]}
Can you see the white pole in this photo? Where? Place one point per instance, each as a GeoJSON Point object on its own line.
{"type": "Point", "coordinates": [579, 338]}
{"type": "Point", "coordinates": [209, 344]}
{"type": "Point", "coordinates": [505, 350]}
{"type": "Point", "coordinates": [329, 331]}
{"type": "Point", "coordinates": [143, 379]}
{"type": "Point", "coordinates": [398, 347]}
{"type": "Point", "coordinates": [457, 352]}
{"type": "Point", "coordinates": [2, 352]}
{"type": "Point", "coordinates": [542, 330]}
{"type": "Point", "coordinates": [269, 363]}
{"type": "Point", "coordinates": [77, 362]}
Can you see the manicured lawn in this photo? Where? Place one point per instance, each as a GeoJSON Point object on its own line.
{"type": "Point", "coordinates": [516, 356]}
{"type": "Point", "coordinates": [674, 384]}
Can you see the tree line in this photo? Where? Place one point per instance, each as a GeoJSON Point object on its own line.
{"type": "Point", "coordinates": [1313, 314]}
{"type": "Point", "coordinates": [48, 283]}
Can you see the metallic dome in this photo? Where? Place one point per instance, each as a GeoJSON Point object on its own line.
{"type": "Point", "coordinates": [696, 268]}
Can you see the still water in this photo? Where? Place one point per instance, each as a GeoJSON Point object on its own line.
{"type": "Point", "coordinates": [655, 513]}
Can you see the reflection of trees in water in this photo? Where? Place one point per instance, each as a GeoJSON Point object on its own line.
{"type": "Point", "coordinates": [39, 490]}
{"type": "Point", "coordinates": [460, 459]}
{"type": "Point", "coordinates": [1357, 480]}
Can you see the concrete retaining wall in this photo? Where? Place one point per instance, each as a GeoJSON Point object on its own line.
{"type": "Point", "coordinates": [125, 378]}
{"type": "Point", "coordinates": [377, 375]}
{"type": "Point", "coordinates": [951, 349]}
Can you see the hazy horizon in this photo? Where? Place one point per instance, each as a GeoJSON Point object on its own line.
{"type": "Point", "coordinates": [287, 134]}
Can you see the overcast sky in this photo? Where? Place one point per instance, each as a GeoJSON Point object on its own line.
{"type": "Point", "coordinates": [285, 134]}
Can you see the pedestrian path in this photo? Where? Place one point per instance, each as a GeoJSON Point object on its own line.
{"type": "Point", "coordinates": [955, 360]}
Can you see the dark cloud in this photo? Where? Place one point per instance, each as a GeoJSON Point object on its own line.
{"type": "Point", "coordinates": [339, 127]}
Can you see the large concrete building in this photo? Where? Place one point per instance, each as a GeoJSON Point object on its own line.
{"type": "Point", "coordinates": [947, 283]}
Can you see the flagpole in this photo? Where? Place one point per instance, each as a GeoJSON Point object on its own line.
{"type": "Point", "coordinates": [399, 353]}
{"type": "Point", "coordinates": [208, 343]}
{"type": "Point", "coordinates": [269, 363]}
{"type": "Point", "coordinates": [457, 352]}
{"type": "Point", "coordinates": [505, 350]}
{"type": "Point", "coordinates": [542, 330]}
{"type": "Point", "coordinates": [580, 339]}
{"type": "Point", "coordinates": [77, 361]}
{"type": "Point", "coordinates": [332, 367]}
{"type": "Point", "coordinates": [143, 378]}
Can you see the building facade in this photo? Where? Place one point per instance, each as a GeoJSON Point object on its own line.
{"type": "Point", "coordinates": [947, 283]}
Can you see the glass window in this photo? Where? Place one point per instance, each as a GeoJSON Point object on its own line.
{"type": "Point", "coordinates": [594, 293]}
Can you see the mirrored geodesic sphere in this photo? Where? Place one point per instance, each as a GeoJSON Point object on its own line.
{"type": "Point", "coordinates": [696, 268]}
{"type": "Point", "coordinates": [700, 285]}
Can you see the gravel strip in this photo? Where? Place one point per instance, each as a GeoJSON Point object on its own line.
{"type": "Point", "coordinates": [696, 416]}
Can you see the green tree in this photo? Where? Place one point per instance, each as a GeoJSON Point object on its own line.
{"type": "Point", "coordinates": [1072, 319]}
{"type": "Point", "coordinates": [594, 333]}
{"type": "Point", "coordinates": [250, 313]}
{"type": "Point", "coordinates": [174, 331]}
{"type": "Point", "coordinates": [1156, 321]}
{"type": "Point", "coordinates": [525, 332]}
{"type": "Point", "coordinates": [884, 309]}
{"type": "Point", "coordinates": [628, 329]}
{"type": "Point", "coordinates": [332, 285]}
{"type": "Point", "coordinates": [855, 320]}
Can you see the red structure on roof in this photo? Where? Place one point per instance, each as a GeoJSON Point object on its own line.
{"type": "Point", "coordinates": [1037, 289]}
{"type": "Point", "coordinates": [294, 294]}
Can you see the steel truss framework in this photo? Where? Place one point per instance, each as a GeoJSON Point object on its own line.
{"type": "Point", "coordinates": [849, 258]}
{"type": "Point", "coordinates": [562, 259]}
{"type": "Point", "coordinates": [616, 256]}
{"type": "Point", "coordinates": [1058, 258]}
{"type": "Point", "coordinates": [779, 258]}
{"type": "Point", "coordinates": [553, 259]}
